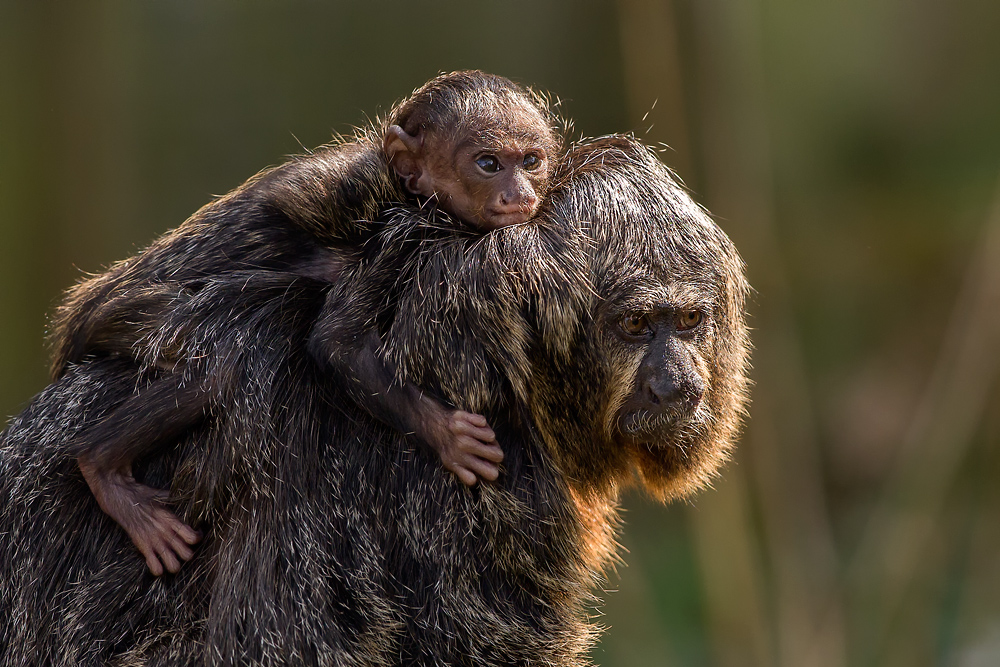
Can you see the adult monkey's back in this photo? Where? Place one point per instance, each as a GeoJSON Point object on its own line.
{"type": "Point", "coordinates": [334, 541]}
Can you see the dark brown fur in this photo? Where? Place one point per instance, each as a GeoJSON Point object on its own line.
{"type": "Point", "coordinates": [307, 217]}
{"type": "Point", "coordinates": [329, 538]}
{"type": "Point", "coordinates": [283, 219]}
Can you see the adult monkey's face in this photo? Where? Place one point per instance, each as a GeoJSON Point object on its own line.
{"type": "Point", "coordinates": [665, 352]}
{"type": "Point", "coordinates": [661, 344]}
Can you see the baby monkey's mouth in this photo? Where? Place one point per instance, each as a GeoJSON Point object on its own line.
{"type": "Point", "coordinates": [497, 218]}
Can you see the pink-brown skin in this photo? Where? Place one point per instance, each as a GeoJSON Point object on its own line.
{"type": "Point", "coordinates": [489, 185]}
{"type": "Point", "coordinates": [162, 538]}
{"type": "Point", "coordinates": [463, 440]}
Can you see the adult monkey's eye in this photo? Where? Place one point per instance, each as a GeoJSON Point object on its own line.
{"type": "Point", "coordinates": [488, 163]}
{"type": "Point", "coordinates": [689, 319]}
{"type": "Point", "coordinates": [531, 162]}
{"type": "Point", "coordinates": [634, 323]}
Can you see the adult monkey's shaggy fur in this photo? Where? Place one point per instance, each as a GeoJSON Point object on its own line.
{"type": "Point", "coordinates": [330, 539]}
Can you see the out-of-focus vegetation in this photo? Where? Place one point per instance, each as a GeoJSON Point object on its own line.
{"type": "Point", "coordinates": [851, 149]}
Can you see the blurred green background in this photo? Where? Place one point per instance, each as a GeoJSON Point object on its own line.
{"type": "Point", "coordinates": [851, 149]}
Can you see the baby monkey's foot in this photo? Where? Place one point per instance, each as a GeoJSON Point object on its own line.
{"type": "Point", "coordinates": [467, 446]}
{"type": "Point", "coordinates": [163, 539]}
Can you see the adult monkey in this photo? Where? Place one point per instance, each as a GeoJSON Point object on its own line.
{"type": "Point", "coordinates": [367, 552]}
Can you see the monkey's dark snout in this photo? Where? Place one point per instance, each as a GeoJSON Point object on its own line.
{"type": "Point", "coordinates": [662, 391]}
{"type": "Point", "coordinates": [665, 391]}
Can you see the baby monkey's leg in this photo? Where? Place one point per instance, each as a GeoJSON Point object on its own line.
{"type": "Point", "coordinates": [159, 413]}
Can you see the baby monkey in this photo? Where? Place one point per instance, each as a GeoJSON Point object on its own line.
{"type": "Point", "coordinates": [488, 180]}
{"type": "Point", "coordinates": [474, 145]}
{"type": "Point", "coordinates": [484, 154]}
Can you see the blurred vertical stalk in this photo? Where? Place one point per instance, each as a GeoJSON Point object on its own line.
{"type": "Point", "coordinates": [90, 62]}
{"type": "Point", "coordinates": [781, 448]}
{"type": "Point", "coordinates": [66, 167]}
{"type": "Point", "coordinates": [654, 79]}
{"type": "Point", "coordinates": [889, 555]}
{"type": "Point", "coordinates": [732, 578]}
{"type": "Point", "coordinates": [25, 206]}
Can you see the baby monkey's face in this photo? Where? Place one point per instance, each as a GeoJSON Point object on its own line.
{"type": "Point", "coordinates": [489, 174]}
{"type": "Point", "coordinates": [490, 184]}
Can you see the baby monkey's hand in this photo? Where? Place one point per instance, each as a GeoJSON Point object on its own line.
{"type": "Point", "coordinates": [465, 443]}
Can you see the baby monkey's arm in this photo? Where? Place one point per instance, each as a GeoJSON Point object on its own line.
{"type": "Point", "coordinates": [462, 440]}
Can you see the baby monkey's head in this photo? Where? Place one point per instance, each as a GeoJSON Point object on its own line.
{"type": "Point", "coordinates": [478, 143]}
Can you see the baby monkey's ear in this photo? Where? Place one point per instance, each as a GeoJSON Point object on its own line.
{"type": "Point", "coordinates": [404, 152]}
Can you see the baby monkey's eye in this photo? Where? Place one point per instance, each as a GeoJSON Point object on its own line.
{"type": "Point", "coordinates": [531, 162]}
{"type": "Point", "coordinates": [488, 163]}
{"type": "Point", "coordinates": [688, 319]}
{"type": "Point", "coordinates": [635, 323]}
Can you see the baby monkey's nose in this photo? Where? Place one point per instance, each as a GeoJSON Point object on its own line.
{"type": "Point", "coordinates": [518, 202]}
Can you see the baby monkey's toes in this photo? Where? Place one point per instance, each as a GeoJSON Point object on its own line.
{"type": "Point", "coordinates": [165, 542]}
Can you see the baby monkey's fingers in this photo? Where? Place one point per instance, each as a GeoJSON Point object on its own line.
{"type": "Point", "coordinates": [169, 558]}
{"type": "Point", "coordinates": [481, 450]}
{"type": "Point", "coordinates": [172, 551]}
{"type": "Point", "coordinates": [156, 553]}
{"type": "Point", "coordinates": [153, 563]}
{"type": "Point", "coordinates": [188, 534]}
{"type": "Point", "coordinates": [167, 542]}
{"type": "Point", "coordinates": [479, 458]}
{"type": "Point", "coordinates": [464, 475]}
{"type": "Point", "coordinates": [471, 417]}
{"type": "Point", "coordinates": [477, 469]}
{"type": "Point", "coordinates": [484, 469]}
{"type": "Point", "coordinates": [180, 539]}
{"type": "Point", "coordinates": [470, 469]}
{"type": "Point", "coordinates": [467, 423]}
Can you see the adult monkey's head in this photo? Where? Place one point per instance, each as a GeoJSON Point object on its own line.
{"type": "Point", "coordinates": [659, 383]}
{"type": "Point", "coordinates": [481, 145]}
